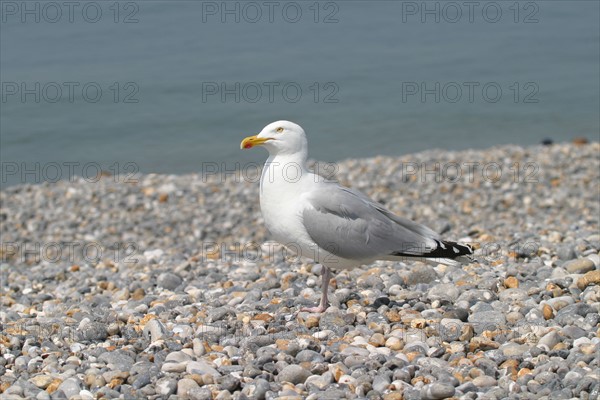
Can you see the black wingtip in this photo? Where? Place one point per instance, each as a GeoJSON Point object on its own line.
{"type": "Point", "coordinates": [443, 249]}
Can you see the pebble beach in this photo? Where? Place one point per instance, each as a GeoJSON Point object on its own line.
{"type": "Point", "coordinates": [169, 287]}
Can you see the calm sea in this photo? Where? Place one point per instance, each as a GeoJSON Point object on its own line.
{"type": "Point", "coordinates": [172, 85]}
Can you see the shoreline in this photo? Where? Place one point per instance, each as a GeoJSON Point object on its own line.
{"type": "Point", "coordinates": [127, 172]}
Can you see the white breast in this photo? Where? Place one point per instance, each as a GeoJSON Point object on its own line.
{"type": "Point", "coordinates": [281, 205]}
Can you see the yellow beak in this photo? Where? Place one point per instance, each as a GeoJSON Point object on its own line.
{"type": "Point", "coordinates": [252, 141]}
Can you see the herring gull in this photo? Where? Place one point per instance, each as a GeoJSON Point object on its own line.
{"type": "Point", "coordinates": [338, 227]}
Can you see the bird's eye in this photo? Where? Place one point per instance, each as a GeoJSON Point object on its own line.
{"type": "Point", "coordinates": [279, 130]}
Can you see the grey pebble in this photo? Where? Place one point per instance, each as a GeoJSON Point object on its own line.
{"type": "Point", "coordinates": [451, 329]}
{"type": "Point", "coordinates": [334, 320]}
{"type": "Point", "coordinates": [201, 367]}
{"type": "Point", "coordinates": [154, 330]}
{"type": "Point", "coordinates": [293, 374]}
{"type": "Point", "coordinates": [185, 388]}
{"type": "Point", "coordinates": [169, 280]}
{"type": "Point", "coordinates": [117, 360]}
{"type": "Point", "coordinates": [229, 383]}
{"type": "Point", "coordinates": [514, 349]}
{"type": "Point", "coordinates": [573, 332]}
{"type": "Point", "coordinates": [566, 252]}
{"type": "Point", "coordinates": [93, 331]}
{"type": "Point", "coordinates": [595, 258]}
{"type": "Point", "coordinates": [70, 387]}
{"type": "Point", "coordinates": [380, 383]}
{"type": "Point", "coordinates": [579, 266]}
{"type": "Point", "coordinates": [217, 314]}
{"type": "Point", "coordinates": [484, 381]}
{"type": "Point", "coordinates": [141, 380]}
{"type": "Point", "coordinates": [444, 291]}
{"type": "Point", "coordinates": [309, 355]}
{"type": "Point", "coordinates": [487, 321]}
{"type": "Point", "coordinates": [513, 295]}
{"type": "Point", "coordinates": [200, 393]}
{"type": "Point", "coordinates": [174, 367]}
{"type": "Point", "coordinates": [166, 386]}
{"type": "Point", "coordinates": [457, 313]}
{"type": "Point", "coordinates": [437, 391]}
{"type": "Point", "coordinates": [421, 274]}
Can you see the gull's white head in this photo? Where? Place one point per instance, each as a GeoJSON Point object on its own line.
{"type": "Point", "coordinates": [281, 137]}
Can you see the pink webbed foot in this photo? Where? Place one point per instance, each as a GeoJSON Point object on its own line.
{"type": "Point", "coordinates": [318, 309]}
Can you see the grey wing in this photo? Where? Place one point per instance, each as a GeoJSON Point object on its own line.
{"type": "Point", "coordinates": [407, 223]}
{"type": "Point", "coordinates": [350, 225]}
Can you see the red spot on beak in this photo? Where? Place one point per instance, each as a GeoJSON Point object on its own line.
{"type": "Point", "coordinates": [248, 145]}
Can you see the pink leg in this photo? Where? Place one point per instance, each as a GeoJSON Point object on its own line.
{"type": "Point", "coordinates": [325, 276]}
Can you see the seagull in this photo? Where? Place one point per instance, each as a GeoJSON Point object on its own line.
{"type": "Point", "coordinates": [336, 226]}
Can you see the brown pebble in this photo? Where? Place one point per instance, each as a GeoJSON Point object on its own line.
{"type": "Point", "coordinates": [475, 372]}
{"type": "Point", "coordinates": [286, 280]}
{"type": "Point", "coordinates": [560, 346]}
{"type": "Point", "coordinates": [510, 363]}
{"type": "Point", "coordinates": [588, 349]}
{"type": "Point", "coordinates": [523, 372]}
{"type": "Point", "coordinates": [337, 372]}
{"type": "Point", "coordinates": [163, 198]}
{"type": "Point", "coordinates": [392, 315]}
{"type": "Point", "coordinates": [4, 386]}
{"type": "Point", "coordinates": [481, 343]}
{"type": "Point", "coordinates": [263, 317]}
{"type": "Point", "coordinates": [418, 323]}
{"type": "Point", "coordinates": [511, 282]}
{"type": "Point", "coordinates": [148, 191]}
{"type": "Point", "coordinates": [466, 332]}
{"type": "Point", "coordinates": [227, 284]}
{"type": "Point", "coordinates": [511, 366]}
{"type": "Point", "coordinates": [311, 322]}
{"type": "Point", "coordinates": [138, 294]}
{"type": "Point", "coordinates": [394, 343]}
{"type": "Point", "coordinates": [375, 327]}
{"type": "Point", "coordinates": [377, 340]}
{"type": "Point", "coordinates": [580, 140]}
{"type": "Point", "coordinates": [282, 344]}
{"type": "Point", "coordinates": [418, 379]}
{"type": "Point", "coordinates": [554, 289]}
{"type": "Point", "coordinates": [53, 386]}
{"type": "Point", "coordinates": [413, 355]}
{"type": "Point", "coordinates": [208, 379]}
{"type": "Point", "coordinates": [196, 378]}
{"type": "Point", "coordinates": [459, 377]}
{"type": "Point", "coordinates": [147, 318]}
{"type": "Point", "coordinates": [41, 381]}
{"type": "Point", "coordinates": [216, 347]}
{"type": "Point", "coordinates": [547, 312]}
{"type": "Point", "coordinates": [74, 268]}
{"type": "Point", "coordinates": [393, 396]}
{"type": "Point", "coordinates": [591, 277]}
{"type": "Point", "coordinates": [89, 380]}
{"type": "Point", "coordinates": [115, 382]}
{"type": "Point", "coordinates": [99, 382]}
